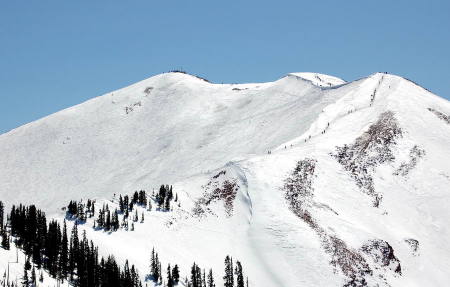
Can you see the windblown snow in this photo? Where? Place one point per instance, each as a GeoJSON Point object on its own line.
{"type": "Point", "coordinates": [308, 180]}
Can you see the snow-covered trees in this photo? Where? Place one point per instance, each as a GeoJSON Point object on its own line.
{"type": "Point", "coordinates": [75, 260]}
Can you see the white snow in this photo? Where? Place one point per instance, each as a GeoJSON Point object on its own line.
{"type": "Point", "coordinates": [320, 80]}
{"type": "Point", "coordinates": [184, 130]}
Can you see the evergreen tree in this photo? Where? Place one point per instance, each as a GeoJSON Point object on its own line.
{"type": "Point", "coordinates": [2, 207]}
{"type": "Point", "coordinates": [239, 275]}
{"type": "Point", "coordinates": [121, 204]}
{"type": "Point", "coordinates": [27, 265]}
{"type": "Point", "coordinates": [210, 279]}
{"type": "Point", "coordinates": [167, 204]}
{"type": "Point", "coordinates": [154, 266]}
{"type": "Point", "coordinates": [25, 281]}
{"type": "Point", "coordinates": [203, 279]}
{"type": "Point", "coordinates": [175, 274]}
{"type": "Point", "coordinates": [64, 253]}
{"type": "Point", "coordinates": [101, 218]}
{"type": "Point", "coordinates": [170, 282]}
{"type": "Point", "coordinates": [228, 278]}
{"type": "Point", "coordinates": [108, 221]}
{"type": "Point", "coordinates": [5, 240]}
{"type": "Point", "coordinates": [115, 221]}
{"type": "Point", "coordinates": [136, 216]}
{"type": "Point", "coordinates": [33, 276]}
{"type": "Point", "coordinates": [196, 276]}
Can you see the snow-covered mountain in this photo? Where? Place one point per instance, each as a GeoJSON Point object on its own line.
{"type": "Point", "coordinates": [308, 180]}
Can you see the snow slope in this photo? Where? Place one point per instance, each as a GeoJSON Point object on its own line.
{"type": "Point", "coordinates": [177, 129]}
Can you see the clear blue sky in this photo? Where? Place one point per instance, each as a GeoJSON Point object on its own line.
{"type": "Point", "coordinates": [55, 54]}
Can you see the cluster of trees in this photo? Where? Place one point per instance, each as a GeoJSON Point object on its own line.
{"type": "Point", "coordinates": [107, 221]}
{"type": "Point", "coordinates": [156, 272]}
{"type": "Point", "coordinates": [234, 276]}
{"type": "Point", "coordinates": [126, 204]}
{"type": "Point", "coordinates": [3, 234]}
{"type": "Point", "coordinates": [229, 275]}
{"type": "Point", "coordinates": [199, 278]}
{"type": "Point", "coordinates": [81, 211]}
{"type": "Point", "coordinates": [65, 257]}
{"type": "Point", "coordinates": [164, 197]}
{"type": "Point", "coordinates": [72, 257]}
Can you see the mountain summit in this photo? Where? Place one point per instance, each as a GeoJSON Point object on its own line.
{"type": "Point", "coordinates": [309, 180]}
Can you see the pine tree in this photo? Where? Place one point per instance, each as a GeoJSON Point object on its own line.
{"type": "Point", "coordinates": [210, 279]}
{"type": "Point", "coordinates": [195, 276]}
{"type": "Point", "coordinates": [167, 204]}
{"type": "Point", "coordinates": [169, 277]}
{"type": "Point", "coordinates": [136, 216]}
{"type": "Point", "coordinates": [27, 265]}
{"type": "Point", "coordinates": [33, 276]}
{"type": "Point", "coordinates": [115, 221]}
{"type": "Point", "coordinates": [64, 253]}
{"type": "Point", "coordinates": [239, 275]}
{"type": "Point", "coordinates": [121, 204]}
{"type": "Point", "coordinates": [5, 240]}
{"type": "Point", "coordinates": [108, 221]}
{"type": "Point", "coordinates": [228, 278]}
{"type": "Point", "coordinates": [154, 266]}
{"type": "Point", "coordinates": [175, 274]}
{"type": "Point", "coordinates": [203, 279]}
{"type": "Point", "coordinates": [25, 281]}
{"type": "Point", "coordinates": [101, 218]}
{"type": "Point", "coordinates": [2, 207]}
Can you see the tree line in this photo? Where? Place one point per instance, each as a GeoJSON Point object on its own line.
{"type": "Point", "coordinates": [74, 258]}
{"type": "Point", "coordinates": [109, 220]}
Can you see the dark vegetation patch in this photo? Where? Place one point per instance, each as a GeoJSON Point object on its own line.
{"type": "Point", "coordinates": [414, 155]}
{"type": "Point", "coordinates": [130, 108]}
{"type": "Point", "coordinates": [413, 245]}
{"type": "Point", "coordinates": [148, 90]}
{"type": "Point", "coordinates": [298, 193]}
{"type": "Point", "coordinates": [218, 188]}
{"type": "Point", "coordinates": [383, 254]}
{"type": "Point", "coordinates": [441, 115]}
{"type": "Point", "coordinates": [371, 149]}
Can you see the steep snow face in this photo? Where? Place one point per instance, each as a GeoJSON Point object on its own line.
{"type": "Point", "coordinates": [354, 190]}
{"type": "Point", "coordinates": [163, 129]}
